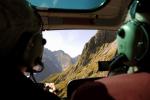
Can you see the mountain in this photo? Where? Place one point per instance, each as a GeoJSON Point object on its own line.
{"type": "Point", "coordinates": [51, 65]}
{"type": "Point", "coordinates": [64, 59]}
{"type": "Point", "coordinates": [54, 62]}
{"type": "Point", "coordinates": [101, 47]}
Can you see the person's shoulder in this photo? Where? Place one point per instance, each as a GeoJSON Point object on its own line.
{"type": "Point", "coordinates": [132, 86]}
{"type": "Point", "coordinates": [140, 76]}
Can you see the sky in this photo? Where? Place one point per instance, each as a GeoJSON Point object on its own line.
{"type": "Point", "coordinates": [70, 41]}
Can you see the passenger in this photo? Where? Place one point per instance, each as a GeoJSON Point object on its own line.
{"type": "Point", "coordinates": [21, 47]}
{"type": "Point", "coordinates": [134, 44]}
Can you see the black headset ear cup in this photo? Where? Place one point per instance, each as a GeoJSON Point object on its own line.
{"type": "Point", "coordinates": [33, 53]}
{"type": "Point", "coordinates": [143, 43]}
{"type": "Point", "coordinates": [21, 47]}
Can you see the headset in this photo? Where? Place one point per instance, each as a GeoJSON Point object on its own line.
{"type": "Point", "coordinates": [133, 40]}
{"type": "Point", "coordinates": [29, 50]}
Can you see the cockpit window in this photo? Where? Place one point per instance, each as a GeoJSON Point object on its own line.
{"type": "Point", "coordinates": [68, 4]}
{"type": "Point", "coordinates": [75, 54]}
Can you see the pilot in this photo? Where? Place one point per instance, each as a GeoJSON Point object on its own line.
{"type": "Point", "coordinates": [133, 39]}
{"type": "Point", "coordinates": [21, 47]}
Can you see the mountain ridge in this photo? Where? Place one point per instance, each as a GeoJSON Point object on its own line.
{"type": "Point", "coordinates": [54, 62]}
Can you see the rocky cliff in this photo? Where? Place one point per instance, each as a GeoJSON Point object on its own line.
{"type": "Point", "coordinates": [51, 65]}
{"type": "Point", "coordinates": [96, 46]}
{"type": "Point", "coordinates": [64, 59]}
{"type": "Point", "coordinates": [54, 62]}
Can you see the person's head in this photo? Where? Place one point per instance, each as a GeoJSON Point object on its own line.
{"type": "Point", "coordinates": [21, 40]}
{"type": "Point", "coordinates": [133, 37]}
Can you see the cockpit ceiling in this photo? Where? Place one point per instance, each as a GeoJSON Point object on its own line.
{"type": "Point", "coordinates": [109, 17]}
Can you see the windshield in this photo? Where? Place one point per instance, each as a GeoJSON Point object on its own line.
{"type": "Point", "coordinates": [75, 54]}
{"type": "Point", "coordinates": [68, 4]}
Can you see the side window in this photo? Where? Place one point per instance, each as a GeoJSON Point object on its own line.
{"type": "Point", "coordinates": [75, 54]}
